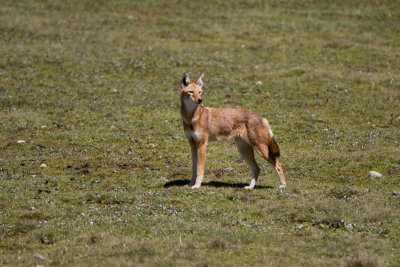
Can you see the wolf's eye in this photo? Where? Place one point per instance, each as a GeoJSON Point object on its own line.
{"type": "Point", "coordinates": [190, 92]}
{"type": "Point", "coordinates": [200, 92]}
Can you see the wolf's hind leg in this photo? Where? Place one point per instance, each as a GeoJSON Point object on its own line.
{"type": "Point", "coordinates": [263, 150]}
{"type": "Point", "coordinates": [247, 153]}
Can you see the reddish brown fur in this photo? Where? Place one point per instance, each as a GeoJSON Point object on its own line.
{"type": "Point", "coordinates": [249, 130]}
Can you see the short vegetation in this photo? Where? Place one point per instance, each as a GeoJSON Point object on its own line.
{"type": "Point", "coordinates": [93, 158]}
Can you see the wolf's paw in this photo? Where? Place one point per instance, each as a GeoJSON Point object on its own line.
{"type": "Point", "coordinates": [282, 186]}
{"type": "Point", "coordinates": [249, 187]}
{"type": "Point", "coordinates": [195, 186]}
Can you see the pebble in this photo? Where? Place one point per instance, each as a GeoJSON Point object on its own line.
{"type": "Point", "coordinates": [43, 165]}
{"type": "Point", "coordinates": [43, 126]}
{"type": "Point", "coordinates": [21, 141]}
{"type": "Point", "coordinates": [396, 192]}
{"type": "Point", "coordinates": [374, 174]}
{"type": "Point", "coordinates": [259, 83]}
{"type": "Point", "coordinates": [350, 226]}
{"type": "Point", "coordinates": [40, 257]}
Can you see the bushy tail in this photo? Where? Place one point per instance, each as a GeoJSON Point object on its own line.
{"type": "Point", "coordinates": [274, 151]}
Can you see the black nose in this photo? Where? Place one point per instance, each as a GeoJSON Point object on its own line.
{"type": "Point", "coordinates": [200, 100]}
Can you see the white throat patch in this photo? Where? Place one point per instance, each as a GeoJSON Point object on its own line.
{"type": "Point", "coordinates": [189, 105]}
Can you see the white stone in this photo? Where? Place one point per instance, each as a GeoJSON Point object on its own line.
{"type": "Point", "coordinates": [374, 174]}
{"type": "Point", "coordinates": [40, 257]}
{"type": "Point", "coordinates": [43, 165]}
{"type": "Point", "coordinates": [21, 141]}
{"type": "Point", "coordinates": [259, 83]}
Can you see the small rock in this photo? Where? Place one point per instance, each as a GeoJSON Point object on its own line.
{"type": "Point", "coordinates": [374, 174]}
{"type": "Point", "coordinates": [396, 192]}
{"type": "Point", "coordinates": [350, 226]}
{"type": "Point", "coordinates": [43, 126]}
{"type": "Point", "coordinates": [21, 141]}
{"type": "Point", "coordinates": [33, 175]}
{"type": "Point", "coordinates": [28, 207]}
{"type": "Point", "coordinates": [243, 46]}
{"type": "Point", "coordinates": [40, 257]}
{"type": "Point", "coordinates": [131, 17]}
{"type": "Point", "coordinates": [43, 165]}
{"type": "Point", "coordinates": [259, 83]}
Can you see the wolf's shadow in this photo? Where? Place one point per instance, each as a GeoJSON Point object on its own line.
{"type": "Point", "coordinates": [183, 182]}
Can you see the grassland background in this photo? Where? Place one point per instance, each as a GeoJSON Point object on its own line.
{"type": "Point", "coordinates": [103, 78]}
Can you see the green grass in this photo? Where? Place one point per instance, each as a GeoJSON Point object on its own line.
{"type": "Point", "coordinates": [93, 89]}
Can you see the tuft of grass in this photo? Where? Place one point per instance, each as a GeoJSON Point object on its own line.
{"type": "Point", "coordinates": [218, 244]}
{"type": "Point", "coordinates": [366, 261]}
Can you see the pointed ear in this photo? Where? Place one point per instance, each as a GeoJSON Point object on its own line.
{"type": "Point", "coordinates": [200, 80]}
{"type": "Point", "coordinates": [185, 80]}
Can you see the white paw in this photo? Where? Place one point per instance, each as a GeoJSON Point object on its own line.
{"type": "Point", "coordinates": [282, 186]}
{"type": "Point", "coordinates": [249, 187]}
{"type": "Point", "coordinates": [195, 186]}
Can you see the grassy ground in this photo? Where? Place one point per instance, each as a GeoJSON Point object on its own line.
{"type": "Point", "coordinates": [92, 87]}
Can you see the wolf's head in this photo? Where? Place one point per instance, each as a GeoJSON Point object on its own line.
{"type": "Point", "coordinates": [192, 91]}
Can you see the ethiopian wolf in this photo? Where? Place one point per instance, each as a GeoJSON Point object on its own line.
{"type": "Point", "coordinates": [249, 130]}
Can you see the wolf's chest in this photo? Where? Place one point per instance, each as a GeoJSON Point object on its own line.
{"type": "Point", "coordinates": [192, 134]}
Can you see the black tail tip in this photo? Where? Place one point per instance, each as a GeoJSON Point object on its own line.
{"type": "Point", "coordinates": [276, 155]}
